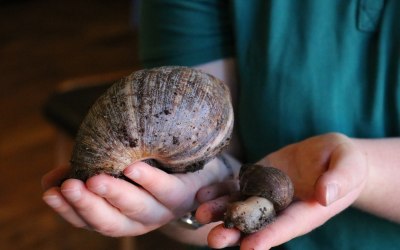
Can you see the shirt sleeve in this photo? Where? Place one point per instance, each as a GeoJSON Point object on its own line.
{"type": "Point", "coordinates": [190, 32]}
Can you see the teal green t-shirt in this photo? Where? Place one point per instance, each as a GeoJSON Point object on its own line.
{"type": "Point", "coordinates": [305, 68]}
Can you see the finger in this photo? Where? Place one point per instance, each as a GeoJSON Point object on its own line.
{"type": "Point", "coordinates": [214, 210]}
{"type": "Point", "coordinates": [221, 237]}
{"type": "Point", "coordinates": [167, 188]}
{"type": "Point", "coordinates": [96, 211]}
{"type": "Point", "coordinates": [347, 171]}
{"type": "Point", "coordinates": [54, 177]}
{"type": "Point", "coordinates": [131, 200]}
{"type": "Point", "coordinates": [296, 220]}
{"type": "Point", "coordinates": [216, 190]}
{"type": "Point", "coordinates": [56, 201]}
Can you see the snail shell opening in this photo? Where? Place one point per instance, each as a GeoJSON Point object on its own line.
{"type": "Point", "coordinates": [175, 118]}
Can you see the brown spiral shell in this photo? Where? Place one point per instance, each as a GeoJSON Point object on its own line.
{"type": "Point", "coordinates": [175, 118]}
{"type": "Point", "coordinates": [267, 182]}
{"type": "Point", "coordinates": [265, 191]}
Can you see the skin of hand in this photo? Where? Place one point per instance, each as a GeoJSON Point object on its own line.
{"type": "Point", "coordinates": [114, 207]}
{"type": "Point", "coordinates": [329, 173]}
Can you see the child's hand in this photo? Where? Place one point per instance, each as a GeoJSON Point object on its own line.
{"type": "Point", "coordinates": [328, 173]}
{"type": "Point", "coordinates": [115, 207]}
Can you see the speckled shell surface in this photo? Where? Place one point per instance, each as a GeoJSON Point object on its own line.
{"type": "Point", "coordinates": [176, 118]}
{"type": "Point", "coordinates": [251, 215]}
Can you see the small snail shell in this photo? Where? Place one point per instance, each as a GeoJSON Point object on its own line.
{"type": "Point", "coordinates": [175, 118]}
{"type": "Point", "coordinates": [268, 182]}
{"type": "Point", "coordinates": [270, 191]}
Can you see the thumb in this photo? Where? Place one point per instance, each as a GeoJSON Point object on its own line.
{"type": "Point", "coordinates": [347, 170]}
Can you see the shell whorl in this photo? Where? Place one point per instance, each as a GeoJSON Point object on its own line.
{"type": "Point", "coordinates": [177, 117]}
{"type": "Point", "coordinates": [267, 182]}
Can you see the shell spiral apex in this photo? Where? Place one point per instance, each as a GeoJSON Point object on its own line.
{"type": "Point", "coordinates": [175, 118]}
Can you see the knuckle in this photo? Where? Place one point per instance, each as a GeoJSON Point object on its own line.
{"type": "Point", "coordinates": [136, 211]}
{"type": "Point", "coordinates": [84, 206]}
{"type": "Point", "coordinates": [112, 229]}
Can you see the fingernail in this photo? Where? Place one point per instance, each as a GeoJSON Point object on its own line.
{"type": "Point", "coordinates": [100, 189]}
{"type": "Point", "coordinates": [52, 200]}
{"type": "Point", "coordinates": [72, 194]}
{"type": "Point", "coordinates": [332, 191]}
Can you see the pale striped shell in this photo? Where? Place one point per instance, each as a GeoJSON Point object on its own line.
{"type": "Point", "coordinates": [176, 118]}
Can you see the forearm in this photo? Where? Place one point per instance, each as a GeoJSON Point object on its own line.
{"type": "Point", "coordinates": [380, 195]}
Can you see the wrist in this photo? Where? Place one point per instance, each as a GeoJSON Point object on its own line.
{"type": "Point", "coordinates": [378, 157]}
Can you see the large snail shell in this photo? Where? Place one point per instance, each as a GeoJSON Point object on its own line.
{"type": "Point", "coordinates": [177, 118]}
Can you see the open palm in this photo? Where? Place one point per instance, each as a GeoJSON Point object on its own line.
{"type": "Point", "coordinates": [328, 173]}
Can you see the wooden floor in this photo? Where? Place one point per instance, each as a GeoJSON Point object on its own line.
{"type": "Point", "coordinates": [43, 43]}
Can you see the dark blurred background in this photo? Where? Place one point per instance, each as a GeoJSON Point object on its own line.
{"type": "Point", "coordinates": [46, 46]}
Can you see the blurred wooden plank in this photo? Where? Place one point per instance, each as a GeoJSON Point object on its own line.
{"type": "Point", "coordinates": [35, 56]}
